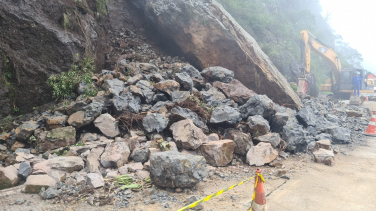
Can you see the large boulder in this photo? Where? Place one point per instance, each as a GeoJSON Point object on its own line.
{"type": "Point", "coordinates": [55, 138]}
{"type": "Point", "coordinates": [235, 90]}
{"type": "Point", "coordinates": [176, 170]}
{"type": "Point", "coordinates": [115, 155]}
{"type": "Point", "coordinates": [24, 131]}
{"type": "Point", "coordinates": [341, 135]}
{"type": "Point", "coordinates": [154, 122]}
{"type": "Point", "coordinates": [295, 136]}
{"type": "Point", "coordinates": [261, 154]}
{"type": "Point", "coordinates": [179, 113]}
{"type": "Point", "coordinates": [225, 115]}
{"type": "Point", "coordinates": [187, 135]}
{"type": "Point", "coordinates": [217, 39]}
{"type": "Point", "coordinates": [273, 138]}
{"type": "Point", "coordinates": [306, 117]}
{"type": "Point", "coordinates": [184, 80]}
{"type": "Point", "coordinates": [218, 74]}
{"type": "Point", "coordinates": [257, 125]}
{"type": "Point", "coordinates": [126, 102]}
{"type": "Point", "coordinates": [278, 121]}
{"type": "Point", "coordinates": [8, 177]}
{"type": "Point", "coordinates": [243, 141]}
{"type": "Point", "coordinates": [258, 105]}
{"type": "Point", "coordinates": [107, 125]}
{"type": "Point", "coordinates": [218, 153]}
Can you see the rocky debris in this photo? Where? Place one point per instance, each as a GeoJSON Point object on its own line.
{"type": "Point", "coordinates": [243, 141]}
{"type": "Point", "coordinates": [278, 121]}
{"type": "Point", "coordinates": [53, 122]}
{"type": "Point", "coordinates": [88, 113]}
{"type": "Point", "coordinates": [179, 113]}
{"type": "Point", "coordinates": [225, 115]}
{"type": "Point", "coordinates": [191, 71]}
{"type": "Point", "coordinates": [324, 156]}
{"type": "Point", "coordinates": [258, 105]}
{"type": "Point", "coordinates": [34, 183]}
{"type": "Point", "coordinates": [167, 86]}
{"type": "Point", "coordinates": [55, 138]}
{"type": "Point", "coordinates": [306, 117]}
{"type": "Point", "coordinates": [95, 180]}
{"type": "Point", "coordinates": [148, 68]}
{"type": "Point", "coordinates": [273, 138]}
{"type": "Point", "coordinates": [24, 131]}
{"type": "Point", "coordinates": [257, 125]}
{"type": "Point", "coordinates": [179, 96]}
{"type": "Point", "coordinates": [24, 170]}
{"type": "Point", "coordinates": [187, 135]}
{"type": "Point", "coordinates": [107, 125]}
{"type": "Point", "coordinates": [140, 155]}
{"type": "Point", "coordinates": [133, 80]}
{"type": "Point", "coordinates": [66, 163]}
{"type": "Point", "coordinates": [116, 154]}
{"type": "Point", "coordinates": [261, 154]}
{"type": "Point", "coordinates": [213, 97]}
{"type": "Point", "coordinates": [155, 122]}
{"type": "Point", "coordinates": [177, 170]}
{"type": "Point", "coordinates": [322, 144]}
{"type": "Point", "coordinates": [256, 70]}
{"type": "Point", "coordinates": [50, 193]}
{"type": "Point", "coordinates": [235, 90]}
{"type": "Point", "coordinates": [92, 160]}
{"type": "Point", "coordinates": [184, 80]}
{"type": "Point", "coordinates": [218, 74]}
{"type": "Point", "coordinates": [295, 137]}
{"type": "Point", "coordinates": [114, 86]}
{"type": "Point", "coordinates": [8, 177]}
{"type": "Point", "coordinates": [217, 153]}
{"type": "Point", "coordinates": [127, 102]}
{"type": "Point", "coordinates": [340, 135]}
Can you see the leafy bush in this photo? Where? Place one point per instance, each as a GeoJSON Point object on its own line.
{"type": "Point", "coordinates": [64, 85]}
{"type": "Point", "coordinates": [6, 124]}
{"type": "Point", "coordinates": [101, 6]}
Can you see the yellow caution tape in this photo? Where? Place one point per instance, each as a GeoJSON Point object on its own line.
{"type": "Point", "coordinates": [216, 194]}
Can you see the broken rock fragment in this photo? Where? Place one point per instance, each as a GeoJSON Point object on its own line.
{"type": "Point", "coordinates": [107, 125]}
{"type": "Point", "coordinates": [235, 90]}
{"type": "Point", "coordinates": [217, 153]}
{"type": "Point", "coordinates": [115, 155]}
{"type": "Point", "coordinates": [155, 122]}
{"type": "Point", "coordinates": [261, 154]}
{"type": "Point", "coordinates": [257, 125]}
{"type": "Point", "coordinates": [34, 183]}
{"type": "Point", "coordinates": [243, 141]}
{"type": "Point", "coordinates": [187, 135]}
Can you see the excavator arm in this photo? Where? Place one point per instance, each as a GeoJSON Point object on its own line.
{"type": "Point", "coordinates": [310, 42]}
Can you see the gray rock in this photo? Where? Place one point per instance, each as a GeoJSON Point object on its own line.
{"type": "Point", "coordinates": [24, 170]}
{"type": "Point", "coordinates": [191, 71]}
{"type": "Point", "coordinates": [218, 74]}
{"type": "Point", "coordinates": [26, 151]}
{"type": "Point", "coordinates": [66, 163]}
{"type": "Point", "coordinates": [115, 86]}
{"type": "Point", "coordinates": [50, 193]}
{"type": "Point", "coordinates": [179, 96]}
{"type": "Point", "coordinates": [258, 105]}
{"type": "Point", "coordinates": [95, 180]}
{"type": "Point", "coordinates": [133, 80]}
{"type": "Point", "coordinates": [323, 136]}
{"type": "Point", "coordinates": [160, 97]}
{"type": "Point", "coordinates": [272, 138]}
{"type": "Point", "coordinates": [295, 137]}
{"type": "Point", "coordinates": [155, 122]}
{"type": "Point", "coordinates": [306, 117]}
{"type": "Point", "coordinates": [257, 125]}
{"type": "Point", "coordinates": [88, 113]}
{"type": "Point", "coordinates": [243, 141]}
{"type": "Point", "coordinates": [156, 77]}
{"type": "Point", "coordinates": [159, 105]}
{"type": "Point", "coordinates": [148, 68]}
{"type": "Point", "coordinates": [115, 155]}
{"type": "Point", "coordinates": [24, 131]}
{"type": "Point", "coordinates": [187, 135]}
{"type": "Point", "coordinates": [185, 81]}
{"type": "Point", "coordinates": [176, 170]}
{"type": "Point", "coordinates": [225, 115]}
{"type": "Point", "coordinates": [127, 102]}
{"type": "Point", "coordinates": [213, 97]}
{"type": "Point", "coordinates": [107, 125]}
{"type": "Point", "coordinates": [278, 121]}
{"type": "Point", "coordinates": [235, 90]}
{"type": "Point", "coordinates": [179, 113]}
{"type": "Point", "coordinates": [83, 87]}
{"type": "Point", "coordinates": [140, 155]}
{"type": "Point", "coordinates": [340, 135]}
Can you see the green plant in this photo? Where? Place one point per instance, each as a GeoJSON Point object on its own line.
{"type": "Point", "coordinates": [6, 124]}
{"type": "Point", "coordinates": [32, 140]}
{"type": "Point", "coordinates": [64, 85]}
{"type": "Point", "coordinates": [16, 109]}
{"type": "Point", "coordinates": [101, 6]}
{"type": "Point", "coordinates": [211, 109]}
{"type": "Point", "coordinates": [80, 144]}
{"type": "Point", "coordinates": [127, 181]}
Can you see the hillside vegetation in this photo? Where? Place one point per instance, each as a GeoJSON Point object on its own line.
{"type": "Point", "coordinates": [276, 24]}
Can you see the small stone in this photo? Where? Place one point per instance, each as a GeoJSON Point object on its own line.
{"type": "Point", "coordinates": [95, 180]}
{"type": "Point", "coordinates": [107, 125]}
{"type": "Point", "coordinates": [35, 183]}
{"type": "Point", "coordinates": [24, 170]}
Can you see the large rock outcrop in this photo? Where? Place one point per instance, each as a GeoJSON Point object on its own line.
{"type": "Point", "coordinates": [207, 34]}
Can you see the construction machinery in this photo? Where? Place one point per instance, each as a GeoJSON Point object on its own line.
{"type": "Point", "coordinates": [340, 79]}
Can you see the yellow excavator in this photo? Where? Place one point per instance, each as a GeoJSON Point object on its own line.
{"type": "Point", "coordinates": [340, 79]}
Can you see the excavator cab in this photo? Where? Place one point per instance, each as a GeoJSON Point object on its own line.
{"type": "Point", "coordinates": [345, 85]}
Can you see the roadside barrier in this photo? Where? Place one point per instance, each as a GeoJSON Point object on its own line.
{"type": "Point", "coordinates": [258, 198]}
{"type": "Point", "coordinates": [371, 129]}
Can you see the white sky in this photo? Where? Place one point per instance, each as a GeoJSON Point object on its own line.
{"type": "Point", "coordinates": [355, 21]}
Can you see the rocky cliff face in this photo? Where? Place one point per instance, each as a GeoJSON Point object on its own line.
{"type": "Point", "coordinates": [209, 36]}
{"type": "Point", "coordinates": [40, 38]}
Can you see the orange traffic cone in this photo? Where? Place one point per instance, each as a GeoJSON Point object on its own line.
{"type": "Point", "coordinates": [371, 129]}
{"type": "Point", "coordinates": [259, 203]}
{"type": "Point", "coordinates": [367, 98]}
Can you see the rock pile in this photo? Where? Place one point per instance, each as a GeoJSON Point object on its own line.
{"type": "Point", "coordinates": [167, 122]}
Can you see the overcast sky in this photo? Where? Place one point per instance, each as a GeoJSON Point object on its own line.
{"type": "Point", "coordinates": [355, 21]}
